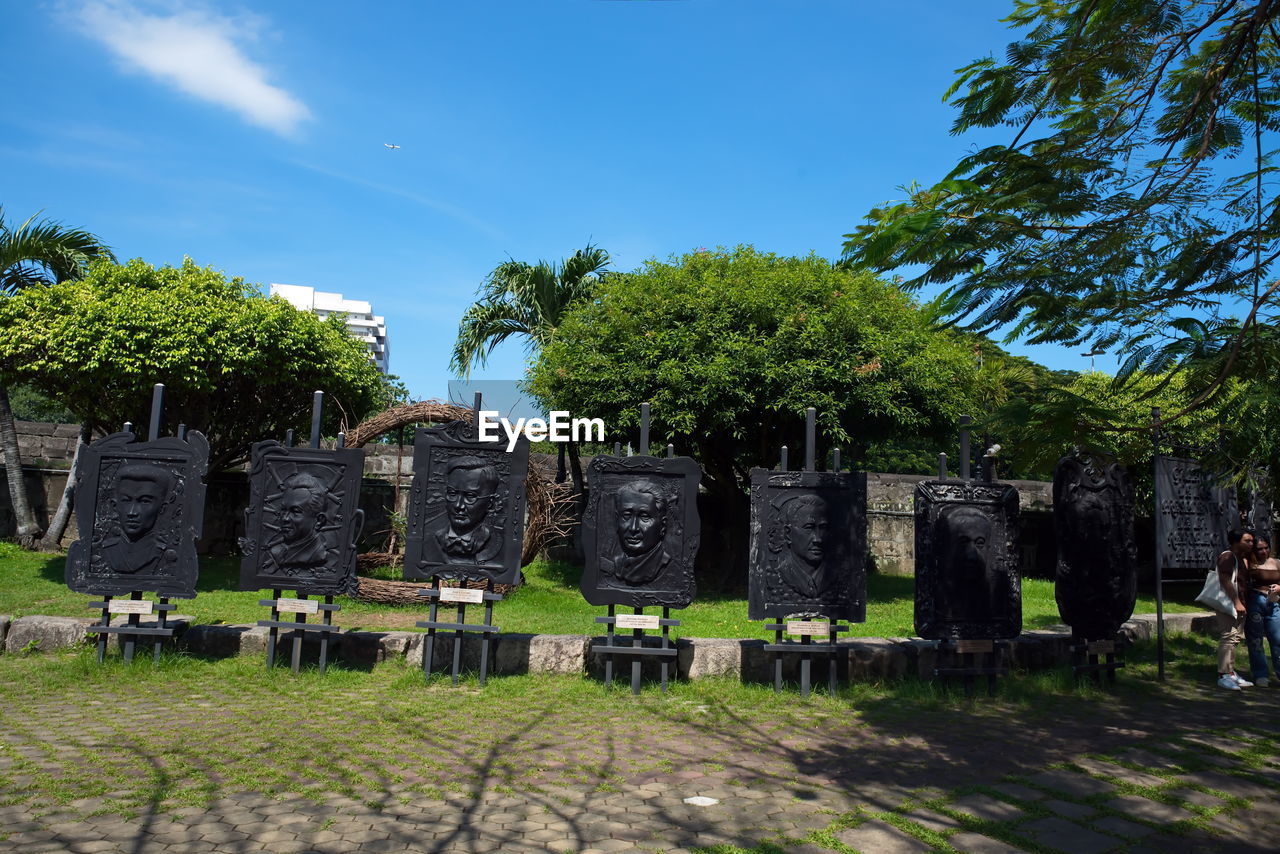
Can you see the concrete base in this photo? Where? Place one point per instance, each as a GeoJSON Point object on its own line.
{"type": "Point", "coordinates": [45, 634]}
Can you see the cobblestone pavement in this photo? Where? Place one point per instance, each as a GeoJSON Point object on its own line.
{"type": "Point", "coordinates": [345, 769]}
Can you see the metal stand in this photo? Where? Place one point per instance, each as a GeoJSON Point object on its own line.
{"type": "Point", "coordinates": [806, 647]}
{"type": "Point", "coordinates": [300, 608]}
{"type": "Point", "coordinates": [461, 597]}
{"type": "Point", "coordinates": [1085, 658]}
{"type": "Point", "coordinates": [970, 658]}
{"type": "Point", "coordinates": [133, 629]}
{"type": "Point", "coordinates": [639, 624]}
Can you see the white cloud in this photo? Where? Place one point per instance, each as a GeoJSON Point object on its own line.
{"type": "Point", "coordinates": [195, 51]}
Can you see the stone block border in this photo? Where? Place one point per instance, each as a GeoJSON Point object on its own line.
{"type": "Point", "coordinates": [860, 659]}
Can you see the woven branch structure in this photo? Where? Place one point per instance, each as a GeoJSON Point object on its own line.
{"type": "Point", "coordinates": [549, 505]}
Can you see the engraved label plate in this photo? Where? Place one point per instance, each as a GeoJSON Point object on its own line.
{"type": "Point", "coordinates": [637, 621]}
{"type": "Point", "coordinates": [129, 606]}
{"type": "Point", "coordinates": [808, 627]}
{"type": "Point", "coordinates": [461, 594]}
{"type": "Point", "coordinates": [1096, 647]}
{"type": "Point", "coordinates": [298, 606]}
{"type": "Point", "coordinates": [974, 646]}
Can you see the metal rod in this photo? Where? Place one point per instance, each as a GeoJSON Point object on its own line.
{"type": "Point", "coordinates": [608, 658]}
{"type": "Point", "coordinates": [457, 643]}
{"type": "Point", "coordinates": [831, 658]}
{"type": "Point", "coordinates": [317, 410]}
{"type": "Point", "coordinates": [157, 412]}
{"type": "Point", "coordinates": [429, 647]}
{"type": "Point", "coordinates": [777, 662]}
{"type": "Point", "coordinates": [644, 429]}
{"type": "Point", "coordinates": [327, 620]}
{"type": "Point", "coordinates": [806, 662]}
{"type": "Point", "coordinates": [782, 459]}
{"type": "Point", "coordinates": [484, 642]}
{"type": "Point", "coordinates": [160, 623]}
{"type": "Point", "coordinates": [637, 640]}
{"type": "Point", "coordinates": [298, 635]}
{"type": "Point", "coordinates": [273, 633]}
{"type": "Point", "coordinates": [106, 621]}
{"type": "Point", "coordinates": [666, 641]}
{"type": "Point", "coordinates": [671, 451]}
{"type": "Point", "coordinates": [835, 460]}
{"type": "Point", "coordinates": [965, 421]}
{"type": "Point", "coordinates": [810, 437]}
{"type": "Point", "coordinates": [128, 427]}
{"type": "Point", "coordinates": [942, 466]}
{"type": "Point", "coordinates": [130, 641]}
{"type": "Point", "coordinates": [342, 440]}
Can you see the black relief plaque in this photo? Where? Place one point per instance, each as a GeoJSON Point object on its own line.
{"type": "Point", "coordinates": [808, 545]}
{"type": "Point", "coordinates": [640, 531]}
{"type": "Point", "coordinates": [466, 507]}
{"type": "Point", "coordinates": [139, 509]}
{"type": "Point", "coordinates": [1192, 515]}
{"type": "Point", "coordinates": [303, 519]}
{"type": "Point", "coordinates": [1097, 575]}
{"type": "Point", "coordinates": [968, 584]}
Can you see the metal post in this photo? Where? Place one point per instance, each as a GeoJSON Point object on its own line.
{"type": "Point", "coordinates": [274, 632]}
{"type": "Point", "coordinates": [317, 409]}
{"type": "Point", "coordinates": [429, 645]}
{"type": "Point", "coordinates": [644, 429]}
{"type": "Point", "coordinates": [288, 438]}
{"type": "Point", "coordinates": [965, 421]}
{"type": "Point", "coordinates": [806, 662]}
{"type": "Point", "coordinates": [128, 427]}
{"type": "Point", "coordinates": [106, 621]}
{"type": "Point", "coordinates": [298, 635]}
{"type": "Point", "coordinates": [835, 460]}
{"type": "Point", "coordinates": [160, 624]}
{"type": "Point", "coordinates": [484, 641]}
{"type": "Point", "coordinates": [810, 437]}
{"type": "Point", "coordinates": [782, 459]}
{"type": "Point", "coordinates": [130, 641]}
{"type": "Point", "coordinates": [637, 640]}
{"type": "Point", "coordinates": [157, 412]}
{"type": "Point", "coordinates": [342, 440]}
{"type": "Point", "coordinates": [324, 636]}
{"type": "Point", "coordinates": [617, 449]}
{"type": "Point", "coordinates": [666, 641]}
{"type": "Point", "coordinates": [671, 451]}
{"type": "Point", "coordinates": [457, 643]}
{"type": "Point", "coordinates": [182, 432]}
{"type": "Point", "coordinates": [608, 658]}
{"type": "Point", "coordinates": [942, 466]}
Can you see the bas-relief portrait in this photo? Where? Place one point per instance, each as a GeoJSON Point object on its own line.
{"type": "Point", "coordinates": [140, 515]}
{"type": "Point", "coordinates": [302, 520]}
{"type": "Point", "coordinates": [967, 579]}
{"type": "Point", "coordinates": [466, 514]}
{"type": "Point", "coordinates": [808, 547]}
{"type": "Point", "coordinates": [1097, 576]}
{"type": "Point", "coordinates": [641, 531]}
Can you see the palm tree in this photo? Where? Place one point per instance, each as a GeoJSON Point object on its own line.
{"type": "Point", "coordinates": [36, 253]}
{"type": "Point", "coordinates": [529, 300]}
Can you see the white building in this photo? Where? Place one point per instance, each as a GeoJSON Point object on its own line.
{"type": "Point", "coordinates": [362, 323]}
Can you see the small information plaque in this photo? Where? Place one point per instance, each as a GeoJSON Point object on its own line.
{"type": "Point", "coordinates": [298, 606]}
{"type": "Point", "coordinates": [1096, 647]}
{"type": "Point", "coordinates": [129, 606]}
{"type": "Point", "coordinates": [808, 627]}
{"type": "Point", "coordinates": [637, 621]}
{"type": "Point", "coordinates": [974, 646]}
{"type": "Point", "coordinates": [461, 594]}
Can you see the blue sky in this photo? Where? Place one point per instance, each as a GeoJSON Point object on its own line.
{"type": "Point", "coordinates": [251, 138]}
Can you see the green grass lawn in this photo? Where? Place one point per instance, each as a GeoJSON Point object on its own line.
{"type": "Point", "coordinates": [548, 603]}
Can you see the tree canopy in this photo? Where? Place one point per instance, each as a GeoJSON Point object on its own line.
{"type": "Point", "coordinates": [1133, 208]}
{"type": "Point", "coordinates": [731, 346]}
{"type": "Point", "coordinates": [236, 365]}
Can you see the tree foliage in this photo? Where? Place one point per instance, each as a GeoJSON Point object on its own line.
{"type": "Point", "coordinates": [731, 346]}
{"type": "Point", "coordinates": [1133, 208]}
{"type": "Point", "coordinates": [236, 365]}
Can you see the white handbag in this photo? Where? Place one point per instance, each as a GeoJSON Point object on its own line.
{"type": "Point", "coordinates": [1214, 597]}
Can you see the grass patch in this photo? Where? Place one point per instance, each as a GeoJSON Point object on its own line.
{"type": "Point", "coordinates": [549, 602]}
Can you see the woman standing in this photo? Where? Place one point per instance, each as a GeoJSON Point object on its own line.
{"type": "Point", "coordinates": [1262, 603]}
{"type": "Point", "coordinates": [1233, 566]}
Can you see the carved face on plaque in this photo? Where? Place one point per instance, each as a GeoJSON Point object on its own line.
{"type": "Point", "coordinates": [302, 520]}
{"type": "Point", "coordinates": [641, 531]}
{"type": "Point", "coordinates": [968, 584]}
{"type": "Point", "coordinates": [466, 512]}
{"type": "Point", "coordinates": [808, 546]}
{"type": "Point", "coordinates": [136, 516]}
{"type": "Point", "coordinates": [1097, 576]}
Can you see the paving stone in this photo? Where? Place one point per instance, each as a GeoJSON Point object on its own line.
{"type": "Point", "coordinates": [1117, 826]}
{"type": "Point", "coordinates": [934, 821]}
{"type": "Point", "coordinates": [877, 837]}
{"type": "Point", "coordinates": [1147, 759]}
{"type": "Point", "coordinates": [1067, 809]}
{"type": "Point", "coordinates": [1232, 785]}
{"type": "Point", "coordinates": [1019, 791]}
{"type": "Point", "coordinates": [1149, 810]}
{"type": "Point", "coordinates": [1200, 799]}
{"type": "Point", "coordinates": [1227, 745]}
{"type": "Point", "coordinates": [976, 843]}
{"type": "Point", "coordinates": [1067, 836]}
{"type": "Point", "coordinates": [1128, 775]}
{"type": "Point", "coordinates": [1072, 784]}
{"type": "Point", "coordinates": [986, 808]}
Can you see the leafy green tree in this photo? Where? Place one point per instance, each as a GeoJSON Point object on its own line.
{"type": "Point", "coordinates": [730, 347]}
{"type": "Point", "coordinates": [528, 301]}
{"type": "Point", "coordinates": [1133, 208]}
{"type": "Point", "coordinates": [35, 253]}
{"type": "Point", "coordinates": [236, 365]}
